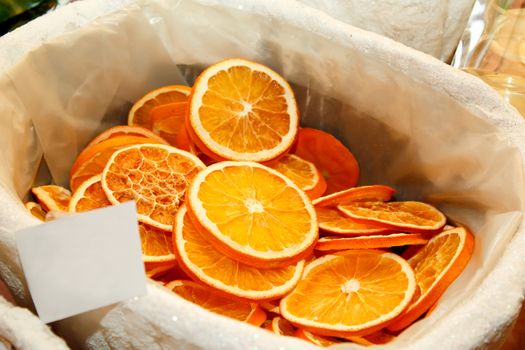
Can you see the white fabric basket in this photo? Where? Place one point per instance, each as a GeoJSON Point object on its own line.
{"type": "Point", "coordinates": [432, 132]}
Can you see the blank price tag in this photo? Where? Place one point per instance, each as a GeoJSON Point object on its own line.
{"type": "Point", "coordinates": [83, 262]}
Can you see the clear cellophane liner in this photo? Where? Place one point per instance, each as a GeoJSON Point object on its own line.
{"type": "Point", "coordinates": [433, 133]}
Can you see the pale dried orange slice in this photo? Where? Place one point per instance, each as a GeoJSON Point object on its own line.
{"type": "Point", "coordinates": [157, 248]}
{"type": "Point", "coordinates": [198, 257]}
{"type": "Point", "coordinates": [355, 292]}
{"type": "Point", "coordinates": [52, 197]}
{"type": "Point", "coordinates": [335, 162]}
{"type": "Point", "coordinates": [208, 299]}
{"type": "Point", "coordinates": [315, 339]}
{"type": "Point", "coordinates": [91, 161]}
{"type": "Point", "coordinates": [252, 213]}
{"type": "Point", "coordinates": [410, 216]}
{"type": "Point", "coordinates": [241, 110]}
{"type": "Point", "coordinates": [36, 210]}
{"type": "Point", "coordinates": [380, 193]}
{"type": "Point", "coordinates": [162, 110]}
{"type": "Point", "coordinates": [303, 173]}
{"type": "Point", "coordinates": [370, 242]}
{"type": "Point", "coordinates": [155, 176]}
{"type": "Point", "coordinates": [334, 221]}
{"type": "Point", "coordinates": [89, 196]}
{"type": "Point", "coordinates": [436, 266]}
{"type": "Point", "coordinates": [281, 326]}
{"type": "Point", "coordinates": [125, 130]}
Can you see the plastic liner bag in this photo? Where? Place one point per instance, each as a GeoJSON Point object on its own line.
{"type": "Point", "coordinates": [430, 131]}
{"type": "Point", "coordinates": [20, 329]}
{"type": "Point", "coordinates": [431, 26]}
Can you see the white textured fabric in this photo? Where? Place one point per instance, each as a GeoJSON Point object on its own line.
{"type": "Point", "coordinates": [432, 132]}
{"type": "Point", "coordinates": [432, 26]}
{"type": "Point", "coordinates": [22, 330]}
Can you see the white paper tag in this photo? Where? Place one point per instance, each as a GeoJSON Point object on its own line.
{"type": "Point", "coordinates": [83, 262]}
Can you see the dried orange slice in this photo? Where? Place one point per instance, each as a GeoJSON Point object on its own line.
{"type": "Point", "coordinates": [52, 197]}
{"type": "Point", "coordinates": [89, 196]}
{"type": "Point", "coordinates": [206, 298]}
{"type": "Point", "coordinates": [315, 339]}
{"type": "Point", "coordinates": [436, 266]}
{"type": "Point", "coordinates": [370, 242]}
{"type": "Point", "coordinates": [241, 110]}
{"type": "Point", "coordinates": [36, 210]}
{"type": "Point", "coordinates": [162, 110]}
{"type": "Point", "coordinates": [198, 257]}
{"type": "Point", "coordinates": [335, 162]}
{"type": "Point", "coordinates": [91, 161]}
{"type": "Point", "coordinates": [410, 216]}
{"type": "Point", "coordinates": [155, 176]}
{"type": "Point", "coordinates": [355, 292]}
{"type": "Point", "coordinates": [280, 326]}
{"type": "Point", "coordinates": [380, 193]}
{"type": "Point", "coordinates": [252, 213]}
{"type": "Point", "coordinates": [303, 173]}
{"type": "Point", "coordinates": [271, 306]}
{"type": "Point", "coordinates": [333, 221]}
{"type": "Point", "coordinates": [379, 337]}
{"type": "Point", "coordinates": [125, 130]}
{"type": "Point", "coordinates": [157, 248]}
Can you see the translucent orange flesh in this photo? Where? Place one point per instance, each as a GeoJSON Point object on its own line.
{"type": "Point", "coordinates": [168, 119]}
{"type": "Point", "coordinates": [255, 208]}
{"type": "Point", "coordinates": [155, 242]}
{"type": "Point", "coordinates": [213, 264]}
{"type": "Point", "coordinates": [433, 259]}
{"type": "Point", "coordinates": [244, 110]}
{"type": "Point", "coordinates": [142, 115]}
{"type": "Point", "coordinates": [302, 173]}
{"type": "Point", "coordinates": [335, 162]}
{"type": "Point", "coordinates": [93, 197]}
{"type": "Point", "coordinates": [208, 299]}
{"type": "Point", "coordinates": [332, 220]}
{"type": "Point", "coordinates": [52, 197]}
{"type": "Point", "coordinates": [400, 214]}
{"type": "Point", "coordinates": [349, 290]}
{"type": "Point", "coordinates": [154, 177]}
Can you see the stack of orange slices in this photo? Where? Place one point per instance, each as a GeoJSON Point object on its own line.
{"type": "Point", "coordinates": [248, 215]}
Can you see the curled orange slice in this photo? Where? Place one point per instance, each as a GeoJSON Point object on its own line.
{"type": "Point", "coordinates": [332, 220]}
{"type": "Point", "coordinates": [155, 176]}
{"type": "Point", "coordinates": [370, 193]}
{"type": "Point", "coordinates": [370, 242]}
{"type": "Point", "coordinates": [124, 130]}
{"type": "Point", "coordinates": [436, 266]}
{"type": "Point", "coordinates": [208, 299]}
{"type": "Point", "coordinates": [52, 197]}
{"type": "Point", "coordinates": [252, 213]}
{"type": "Point", "coordinates": [410, 216]}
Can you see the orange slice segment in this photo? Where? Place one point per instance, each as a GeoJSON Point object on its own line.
{"type": "Point", "coordinates": [436, 266]}
{"type": "Point", "coordinates": [157, 248]}
{"type": "Point", "coordinates": [303, 173]}
{"type": "Point", "coordinates": [370, 242]}
{"type": "Point", "coordinates": [252, 213]}
{"type": "Point", "coordinates": [52, 197]}
{"type": "Point", "coordinates": [355, 292]}
{"type": "Point", "coordinates": [89, 196]}
{"type": "Point", "coordinates": [204, 263]}
{"type": "Point", "coordinates": [333, 221]}
{"type": "Point", "coordinates": [335, 162]}
{"type": "Point", "coordinates": [36, 210]}
{"type": "Point", "coordinates": [162, 110]}
{"type": "Point", "coordinates": [370, 193]}
{"type": "Point", "coordinates": [280, 326]}
{"type": "Point", "coordinates": [241, 110]}
{"type": "Point", "coordinates": [206, 298]}
{"type": "Point", "coordinates": [124, 130]}
{"type": "Point", "coordinates": [315, 339]}
{"type": "Point", "coordinates": [410, 216]}
{"type": "Point", "coordinates": [91, 161]}
{"type": "Point", "coordinates": [155, 176]}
